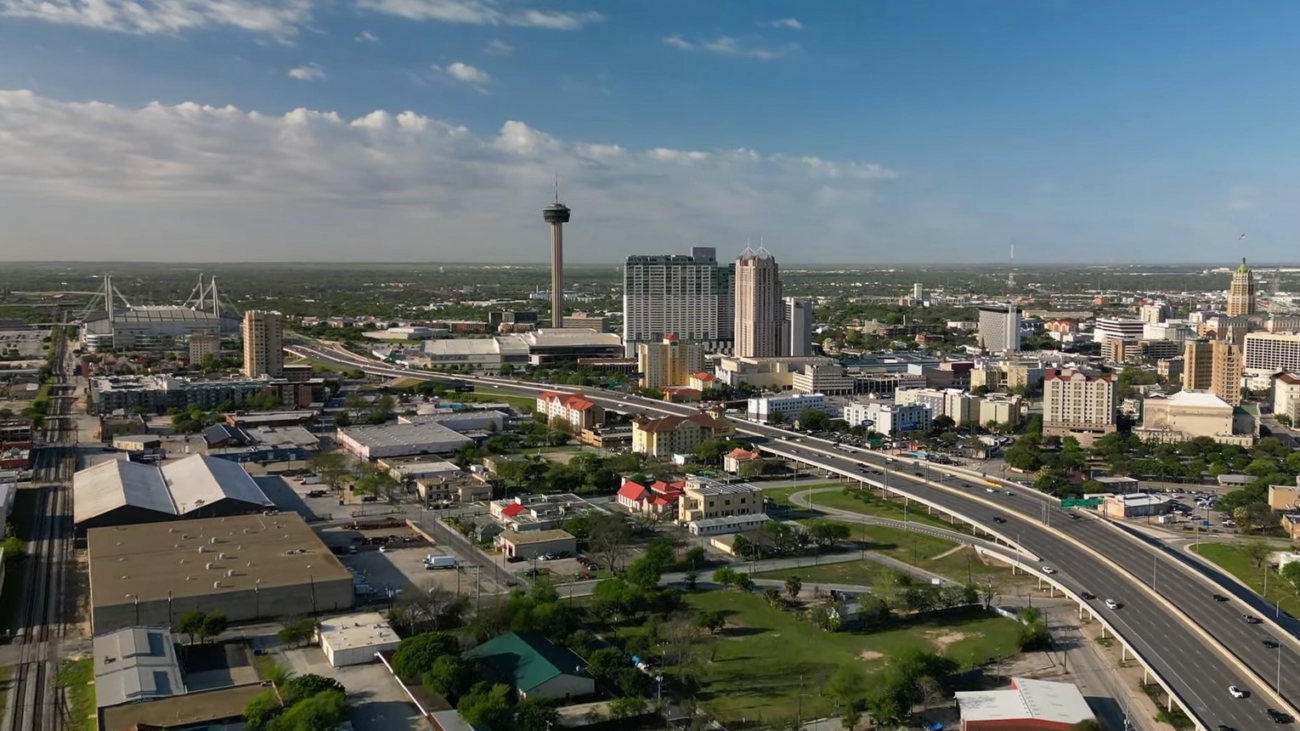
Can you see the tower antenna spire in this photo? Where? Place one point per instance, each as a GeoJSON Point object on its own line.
{"type": "Point", "coordinates": [557, 189]}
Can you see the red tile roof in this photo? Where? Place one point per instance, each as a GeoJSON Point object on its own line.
{"type": "Point", "coordinates": [632, 491]}
{"type": "Point", "coordinates": [702, 376]}
{"type": "Point", "coordinates": [672, 423]}
{"type": "Point", "coordinates": [668, 488]}
{"type": "Point", "coordinates": [742, 454]}
{"type": "Point", "coordinates": [1288, 378]}
{"type": "Point", "coordinates": [512, 510]}
{"type": "Point", "coordinates": [567, 400]}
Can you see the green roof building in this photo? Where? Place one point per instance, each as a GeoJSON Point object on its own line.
{"type": "Point", "coordinates": [536, 667]}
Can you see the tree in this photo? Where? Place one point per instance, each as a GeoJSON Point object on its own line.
{"type": "Point", "coordinates": [1257, 552]}
{"type": "Point", "coordinates": [848, 684]}
{"type": "Point", "coordinates": [1253, 516]}
{"type": "Point", "coordinates": [260, 710]}
{"type": "Point", "coordinates": [487, 705]}
{"type": "Point", "coordinates": [306, 686]}
{"type": "Point", "coordinates": [606, 663]}
{"type": "Point", "coordinates": [191, 624]}
{"type": "Point", "coordinates": [772, 596]}
{"type": "Point", "coordinates": [608, 537]}
{"type": "Point", "coordinates": [625, 708]}
{"type": "Point", "coordinates": [1291, 575]}
{"type": "Point", "coordinates": [1089, 724]}
{"type": "Point", "coordinates": [450, 677]}
{"type": "Point", "coordinates": [297, 632]}
{"type": "Point", "coordinates": [417, 655]}
{"type": "Point", "coordinates": [694, 556]}
{"type": "Point", "coordinates": [822, 616]}
{"type": "Point", "coordinates": [214, 623]}
{"type": "Point", "coordinates": [711, 620]}
{"type": "Point", "coordinates": [812, 419]}
{"type": "Point", "coordinates": [725, 576]}
{"type": "Point", "coordinates": [792, 586]}
{"type": "Point", "coordinates": [536, 714]}
{"type": "Point", "coordinates": [322, 711]}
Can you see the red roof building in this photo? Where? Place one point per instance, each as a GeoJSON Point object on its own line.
{"type": "Point", "coordinates": [576, 412]}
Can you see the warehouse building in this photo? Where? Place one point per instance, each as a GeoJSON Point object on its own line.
{"type": "Point", "coordinates": [136, 664]}
{"type": "Point", "coordinates": [119, 492]}
{"type": "Point", "coordinates": [156, 394]}
{"type": "Point", "coordinates": [400, 440]}
{"type": "Point", "coordinates": [250, 567]}
{"type": "Point", "coordinates": [536, 543]}
{"type": "Point", "coordinates": [355, 639]}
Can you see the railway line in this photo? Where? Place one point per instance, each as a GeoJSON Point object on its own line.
{"type": "Point", "coordinates": [34, 701]}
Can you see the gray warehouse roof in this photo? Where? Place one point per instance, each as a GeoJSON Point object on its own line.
{"type": "Point", "coordinates": [176, 488]}
{"type": "Point", "coordinates": [134, 664]}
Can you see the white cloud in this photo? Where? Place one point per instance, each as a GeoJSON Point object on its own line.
{"type": "Point", "coordinates": [280, 18]}
{"type": "Point", "coordinates": [732, 46]}
{"type": "Point", "coordinates": [307, 72]}
{"type": "Point", "coordinates": [464, 72]}
{"type": "Point", "coordinates": [366, 36]}
{"type": "Point", "coordinates": [499, 48]}
{"type": "Point", "coordinates": [478, 12]}
{"type": "Point", "coordinates": [174, 181]}
{"type": "Point", "coordinates": [790, 23]}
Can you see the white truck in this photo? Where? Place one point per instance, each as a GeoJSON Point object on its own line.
{"type": "Point", "coordinates": [311, 480]}
{"type": "Point", "coordinates": [432, 562]}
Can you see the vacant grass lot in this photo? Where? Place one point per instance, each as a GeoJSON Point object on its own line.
{"type": "Point", "coordinates": [1229, 557]}
{"type": "Point", "coordinates": [764, 657]}
{"type": "Point", "coordinates": [522, 404]}
{"type": "Point", "coordinates": [78, 677]}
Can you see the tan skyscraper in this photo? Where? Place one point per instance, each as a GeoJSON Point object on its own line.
{"type": "Point", "coordinates": [759, 309]}
{"type": "Point", "coordinates": [1241, 292]}
{"type": "Point", "coordinates": [1213, 365]}
{"type": "Point", "coordinates": [263, 344]}
{"type": "Point", "coordinates": [668, 363]}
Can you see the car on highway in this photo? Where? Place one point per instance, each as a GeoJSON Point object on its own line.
{"type": "Point", "coordinates": [1278, 716]}
{"type": "Point", "coordinates": [1112, 604]}
{"type": "Point", "coordinates": [1087, 595]}
{"type": "Point", "coordinates": [1236, 692]}
{"type": "Point", "coordinates": [1250, 619]}
{"type": "Point", "coordinates": [1270, 644]}
{"type": "Point", "coordinates": [999, 519]}
{"type": "Point", "coordinates": [1220, 598]}
{"type": "Point", "coordinates": [1049, 570]}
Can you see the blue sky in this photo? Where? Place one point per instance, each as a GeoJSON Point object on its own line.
{"type": "Point", "coordinates": [872, 131]}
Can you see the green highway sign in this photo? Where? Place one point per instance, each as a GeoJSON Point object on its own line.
{"type": "Point", "coordinates": [1091, 502]}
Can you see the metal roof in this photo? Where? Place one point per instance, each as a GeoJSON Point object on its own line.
{"type": "Point", "coordinates": [200, 480]}
{"type": "Point", "coordinates": [175, 488]}
{"type": "Point", "coordinates": [526, 659]}
{"type": "Point", "coordinates": [1027, 699]}
{"type": "Point", "coordinates": [116, 484]}
{"type": "Point", "coordinates": [136, 663]}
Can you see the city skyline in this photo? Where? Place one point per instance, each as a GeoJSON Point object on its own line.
{"type": "Point", "coordinates": [418, 130]}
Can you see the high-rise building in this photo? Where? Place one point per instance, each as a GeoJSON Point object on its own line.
{"type": "Point", "coordinates": [918, 292]}
{"type": "Point", "coordinates": [1154, 313]}
{"type": "Point", "coordinates": [999, 329]}
{"type": "Point", "coordinates": [1117, 328]}
{"type": "Point", "coordinates": [796, 329]}
{"type": "Point", "coordinates": [557, 214]}
{"type": "Point", "coordinates": [1241, 292]}
{"type": "Point", "coordinates": [263, 344]}
{"type": "Point", "coordinates": [202, 345]}
{"type": "Point", "coordinates": [759, 313]}
{"type": "Point", "coordinates": [1272, 352]}
{"type": "Point", "coordinates": [692, 297]}
{"type": "Point", "coordinates": [1078, 404]}
{"type": "Point", "coordinates": [669, 362]}
{"type": "Point", "coordinates": [1213, 365]}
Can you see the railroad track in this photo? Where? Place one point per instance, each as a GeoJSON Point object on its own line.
{"type": "Point", "coordinates": [35, 702]}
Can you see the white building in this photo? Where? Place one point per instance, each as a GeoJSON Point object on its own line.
{"type": "Point", "coordinates": [691, 296]}
{"type": "Point", "coordinates": [400, 440]}
{"type": "Point", "coordinates": [1286, 396]}
{"type": "Point", "coordinates": [830, 379]}
{"type": "Point", "coordinates": [888, 417]}
{"type": "Point", "coordinates": [999, 329]}
{"type": "Point", "coordinates": [797, 329]}
{"type": "Point", "coordinates": [1272, 352]}
{"type": "Point", "coordinates": [355, 639]}
{"type": "Point", "coordinates": [1117, 328]}
{"type": "Point", "coordinates": [789, 407]}
{"type": "Point", "coordinates": [136, 664]}
{"type": "Point", "coordinates": [1175, 330]}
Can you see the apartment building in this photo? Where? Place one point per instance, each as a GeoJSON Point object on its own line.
{"type": "Point", "coordinates": [577, 412]}
{"type": "Point", "coordinates": [263, 334]}
{"type": "Point", "coordinates": [787, 408]}
{"type": "Point", "coordinates": [1272, 352]}
{"type": "Point", "coordinates": [663, 437]}
{"type": "Point", "coordinates": [888, 417]}
{"type": "Point", "coordinates": [999, 329]}
{"type": "Point", "coordinates": [1213, 365]}
{"type": "Point", "coordinates": [669, 362]}
{"type": "Point", "coordinates": [691, 296]}
{"type": "Point", "coordinates": [1078, 404]}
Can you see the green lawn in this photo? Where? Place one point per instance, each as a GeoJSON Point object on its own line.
{"type": "Point", "coordinates": [78, 677]}
{"type": "Point", "coordinates": [1228, 557]}
{"type": "Point", "coordinates": [764, 656]}
{"type": "Point", "coordinates": [781, 495]}
{"type": "Point", "coordinates": [522, 404]}
{"type": "Point", "coordinates": [857, 573]}
{"type": "Point", "coordinates": [869, 503]}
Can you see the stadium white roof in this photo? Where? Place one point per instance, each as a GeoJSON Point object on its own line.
{"type": "Point", "coordinates": [176, 488]}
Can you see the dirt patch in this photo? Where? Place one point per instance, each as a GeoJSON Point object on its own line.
{"type": "Point", "coordinates": [945, 638]}
{"type": "Point", "coordinates": [869, 655]}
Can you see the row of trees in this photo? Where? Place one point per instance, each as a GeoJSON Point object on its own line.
{"type": "Point", "coordinates": [198, 624]}
{"type": "Point", "coordinates": [304, 703]}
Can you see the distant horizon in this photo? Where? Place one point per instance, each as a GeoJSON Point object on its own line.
{"type": "Point", "coordinates": [569, 264]}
